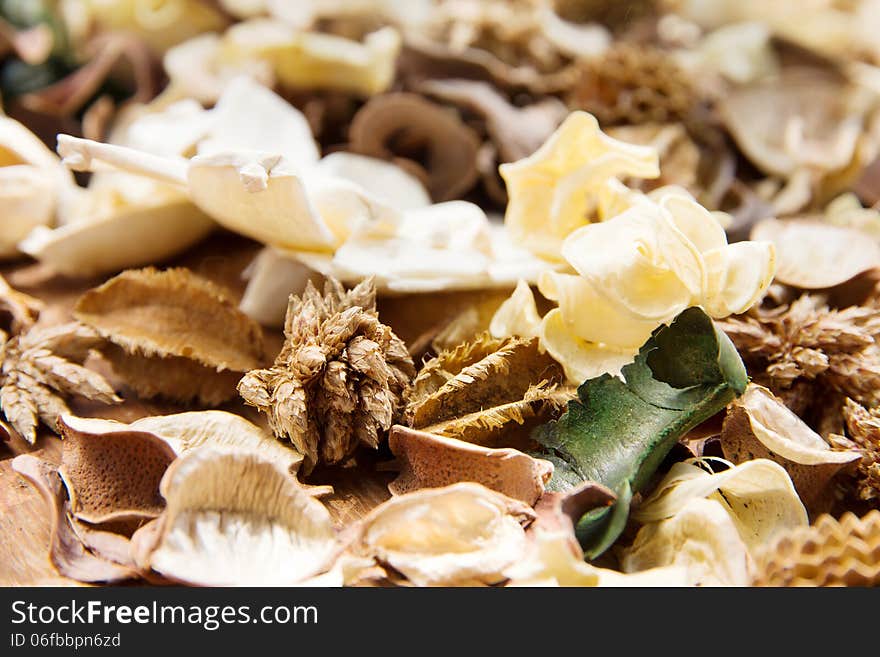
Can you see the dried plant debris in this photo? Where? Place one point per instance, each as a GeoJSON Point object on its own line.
{"type": "Point", "coordinates": [490, 392]}
{"type": "Point", "coordinates": [67, 551]}
{"type": "Point", "coordinates": [18, 310]}
{"type": "Point", "coordinates": [464, 534]}
{"type": "Point", "coordinates": [339, 379]}
{"type": "Point", "coordinates": [832, 552]}
{"type": "Point", "coordinates": [807, 340]}
{"type": "Point", "coordinates": [863, 429]}
{"type": "Point", "coordinates": [430, 461]}
{"type": "Point", "coordinates": [173, 334]}
{"type": "Point", "coordinates": [41, 367]}
{"type": "Point", "coordinates": [236, 519]}
{"type": "Point", "coordinates": [759, 426]}
{"type": "Point", "coordinates": [619, 430]}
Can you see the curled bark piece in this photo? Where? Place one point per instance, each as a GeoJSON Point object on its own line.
{"type": "Point", "coordinates": [112, 472]}
{"type": "Point", "coordinates": [758, 425]}
{"type": "Point", "coordinates": [66, 551]}
{"type": "Point", "coordinates": [177, 323]}
{"type": "Point", "coordinates": [814, 255]}
{"type": "Point", "coordinates": [832, 552]}
{"type": "Point", "coordinates": [401, 124]}
{"type": "Point", "coordinates": [464, 534]}
{"type": "Point", "coordinates": [430, 461]}
{"type": "Point", "coordinates": [263, 530]}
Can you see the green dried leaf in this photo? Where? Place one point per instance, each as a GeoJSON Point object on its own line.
{"type": "Point", "coordinates": [618, 431]}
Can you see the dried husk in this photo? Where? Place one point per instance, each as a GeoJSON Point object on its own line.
{"type": "Point", "coordinates": [759, 426]}
{"type": "Point", "coordinates": [490, 392]}
{"type": "Point", "coordinates": [459, 535]}
{"type": "Point", "coordinates": [111, 471]}
{"type": "Point", "coordinates": [172, 333]}
{"type": "Point", "coordinates": [339, 379]}
{"type": "Point", "coordinates": [236, 519]}
{"type": "Point", "coordinates": [863, 428]}
{"type": "Point", "coordinates": [430, 461]}
{"type": "Point", "coordinates": [67, 552]}
{"type": "Point", "coordinates": [831, 552]}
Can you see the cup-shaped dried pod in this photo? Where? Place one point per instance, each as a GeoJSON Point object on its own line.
{"type": "Point", "coordinates": [463, 534]}
{"type": "Point", "coordinates": [758, 425]}
{"type": "Point", "coordinates": [430, 461]}
{"type": "Point", "coordinates": [405, 124]}
{"type": "Point", "coordinates": [814, 255]}
{"type": "Point", "coordinates": [173, 334]}
{"type": "Point", "coordinates": [68, 554]}
{"type": "Point", "coordinates": [236, 519]}
{"type": "Point", "coordinates": [831, 552]}
{"type": "Point", "coordinates": [112, 472]}
{"type": "Point", "coordinates": [490, 392]}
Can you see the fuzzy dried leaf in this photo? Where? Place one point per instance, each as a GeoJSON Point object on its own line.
{"type": "Point", "coordinates": [759, 426]}
{"type": "Point", "coordinates": [843, 552]}
{"type": "Point", "coordinates": [111, 471]}
{"type": "Point", "coordinates": [813, 255]}
{"type": "Point", "coordinates": [464, 534]}
{"type": "Point", "coordinates": [237, 519]}
{"type": "Point", "coordinates": [67, 552]}
{"type": "Point", "coordinates": [339, 379]}
{"type": "Point", "coordinates": [431, 461]}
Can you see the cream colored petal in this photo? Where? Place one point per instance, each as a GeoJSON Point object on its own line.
{"type": "Point", "coordinates": [748, 270]}
{"type": "Point", "coordinates": [758, 495]}
{"type": "Point", "coordinates": [590, 315]}
{"type": "Point", "coordinates": [701, 538]}
{"type": "Point", "coordinates": [27, 200]}
{"type": "Point", "coordinates": [272, 278]}
{"type": "Point", "coordinates": [386, 181]}
{"type": "Point", "coordinates": [697, 224]}
{"type": "Point", "coordinates": [458, 535]}
{"type": "Point", "coordinates": [582, 360]}
{"type": "Point", "coordinates": [185, 432]}
{"type": "Point", "coordinates": [239, 520]}
{"type": "Point", "coordinates": [175, 130]}
{"type": "Point", "coordinates": [518, 315]}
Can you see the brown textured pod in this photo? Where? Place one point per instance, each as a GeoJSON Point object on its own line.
{"type": "Point", "coordinates": [831, 552]}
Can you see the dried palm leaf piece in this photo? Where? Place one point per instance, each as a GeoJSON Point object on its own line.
{"type": "Point", "coordinates": [236, 519]}
{"type": "Point", "coordinates": [480, 391]}
{"type": "Point", "coordinates": [760, 426]}
{"type": "Point", "coordinates": [633, 84]}
{"type": "Point", "coordinates": [40, 367]}
{"type": "Point", "coordinates": [813, 255]}
{"type": "Point", "coordinates": [844, 552]}
{"type": "Point", "coordinates": [863, 428]}
{"type": "Point", "coordinates": [464, 534]}
{"type": "Point", "coordinates": [111, 471]}
{"type": "Point", "coordinates": [339, 378]}
{"type": "Point", "coordinates": [67, 552]}
{"type": "Point", "coordinates": [807, 341]}
{"type": "Point", "coordinates": [173, 333]}
{"type": "Point", "coordinates": [431, 461]}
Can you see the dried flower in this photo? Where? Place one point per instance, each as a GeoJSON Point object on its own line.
{"type": "Point", "coordinates": [863, 428]}
{"type": "Point", "coordinates": [339, 378]}
{"type": "Point", "coordinates": [806, 340]}
{"type": "Point", "coordinates": [40, 367]}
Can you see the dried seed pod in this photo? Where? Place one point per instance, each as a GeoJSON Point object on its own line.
{"type": "Point", "coordinates": [430, 461]}
{"type": "Point", "coordinates": [489, 392]}
{"type": "Point", "coordinates": [173, 334]}
{"type": "Point", "coordinates": [633, 84]}
{"type": "Point", "coordinates": [844, 552]}
{"type": "Point", "coordinates": [863, 427]}
{"type": "Point", "coordinates": [339, 379]}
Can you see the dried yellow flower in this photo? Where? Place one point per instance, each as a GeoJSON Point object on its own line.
{"type": "Point", "coordinates": [339, 379]}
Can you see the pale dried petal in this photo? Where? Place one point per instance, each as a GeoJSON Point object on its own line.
{"type": "Point", "coordinates": [518, 315]}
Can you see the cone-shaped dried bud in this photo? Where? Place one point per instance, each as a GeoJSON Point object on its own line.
{"type": "Point", "coordinates": [173, 334]}
{"type": "Point", "coordinates": [40, 368]}
{"type": "Point", "coordinates": [863, 428]}
{"type": "Point", "coordinates": [831, 552]}
{"type": "Point", "coordinates": [489, 392]}
{"type": "Point", "coordinates": [339, 379]}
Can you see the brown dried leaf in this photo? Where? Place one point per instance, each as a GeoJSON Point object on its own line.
{"type": "Point", "coordinates": [67, 552]}
{"type": "Point", "coordinates": [430, 461]}
{"type": "Point", "coordinates": [339, 378]}
{"type": "Point", "coordinates": [21, 308]}
{"type": "Point", "coordinates": [844, 552]}
{"type": "Point", "coordinates": [112, 472]}
{"type": "Point", "coordinates": [42, 365]}
{"type": "Point", "coordinates": [172, 333]}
